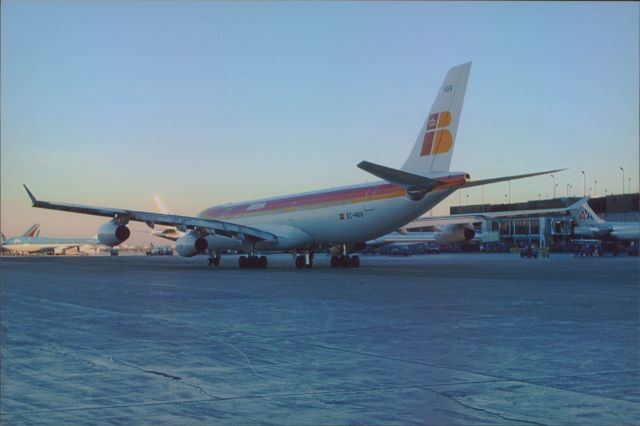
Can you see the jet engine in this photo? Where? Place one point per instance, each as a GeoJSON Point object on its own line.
{"type": "Point", "coordinates": [455, 233]}
{"type": "Point", "coordinates": [111, 233]}
{"type": "Point", "coordinates": [191, 244]}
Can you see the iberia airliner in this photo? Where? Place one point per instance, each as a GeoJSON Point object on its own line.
{"type": "Point", "coordinates": [339, 218]}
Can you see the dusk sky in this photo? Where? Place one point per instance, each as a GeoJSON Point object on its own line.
{"type": "Point", "coordinates": [109, 102]}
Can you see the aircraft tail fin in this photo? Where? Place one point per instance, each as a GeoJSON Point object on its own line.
{"type": "Point", "coordinates": [433, 148]}
{"type": "Point", "coordinates": [31, 231]}
{"type": "Point", "coordinates": [582, 213]}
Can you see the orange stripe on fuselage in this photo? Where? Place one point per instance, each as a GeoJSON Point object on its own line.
{"type": "Point", "coordinates": [318, 200]}
{"type": "Point", "coordinates": [304, 202]}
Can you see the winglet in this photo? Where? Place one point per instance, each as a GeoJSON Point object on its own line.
{"type": "Point", "coordinates": [34, 201]}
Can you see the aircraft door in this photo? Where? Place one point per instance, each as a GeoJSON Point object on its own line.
{"type": "Point", "coordinates": [369, 204]}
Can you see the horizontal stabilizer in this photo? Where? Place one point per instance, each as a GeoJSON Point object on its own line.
{"type": "Point", "coordinates": [401, 178]}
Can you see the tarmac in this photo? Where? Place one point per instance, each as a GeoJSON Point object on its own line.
{"type": "Point", "coordinates": [435, 339]}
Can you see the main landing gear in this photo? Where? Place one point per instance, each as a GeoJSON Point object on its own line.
{"type": "Point", "coordinates": [304, 260]}
{"type": "Point", "coordinates": [345, 261]}
{"type": "Point", "coordinates": [253, 262]}
{"type": "Point", "coordinates": [214, 260]}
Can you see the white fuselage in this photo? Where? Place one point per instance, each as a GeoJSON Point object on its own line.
{"type": "Point", "coordinates": [629, 231]}
{"type": "Point", "coordinates": [346, 215]}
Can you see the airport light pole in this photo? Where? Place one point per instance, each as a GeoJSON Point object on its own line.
{"type": "Point", "coordinates": [584, 181]}
{"type": "Point", "coordinates": [553, 179]}
{"type": "Point", "coordinates": [622, 169]}
{"type": "Point", "coordinates": [467, 199]}
{"type": "Point", "coordinates": [589, 191]}
{"type": "Point", "coordinates": [509, 191]}
{"type": "Point", "coordinates": [595, 188]}
{"type": "Point", "coordinates": [568, 186]}
{"type": "Point", "coordinates": [629, 187]}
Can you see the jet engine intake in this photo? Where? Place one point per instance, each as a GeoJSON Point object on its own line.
{"type": "Point", "coordinates": [190, 244]}
{"type": "Point", "coordinates": [111, 234]}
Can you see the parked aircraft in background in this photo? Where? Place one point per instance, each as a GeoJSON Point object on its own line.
{"type": "Point", "coordinates": [343, 218]}
{"type": "Point", "coordinates": [31, 242]}
{"type": "Point", "coordinates": [590, 225]}
{"type": "Point", "coordinates": [445, 234]}
{"type": "Point", "coordinates": [457, 228]}
{"type": "Point", "coordinates": [32, 231]}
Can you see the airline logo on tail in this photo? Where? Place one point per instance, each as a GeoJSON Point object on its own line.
{"type": "Point", "coordinates": [33, 231]}
{"type": "Point", "coordinates": [584, 215]}
{"type": "Point", "coordinates": [437, 139]}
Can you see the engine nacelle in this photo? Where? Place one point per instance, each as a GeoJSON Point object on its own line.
{"type": "Point", "coordinates": [111, 234]}
{"type": "Point", "coordinates": [455, 233]}
{"type": "Point", "coordinates": [189, 245]}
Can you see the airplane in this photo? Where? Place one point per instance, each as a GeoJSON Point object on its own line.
{"type": "Point", "coordinates": [31, 232]}
{"type": "Point", "coordinates": [344, 217]}
{"type": "Point", "coordinates": [445, 234]}
{"type": "Point", "coordinates": [457, 228]}
{"type": "Point", "coordinates": [31, 242]}
{"type": "Point", "coordinates": [589, 224]}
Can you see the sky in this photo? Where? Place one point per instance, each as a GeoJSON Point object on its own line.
{"type": "Point", "coordinates": [109, 102]}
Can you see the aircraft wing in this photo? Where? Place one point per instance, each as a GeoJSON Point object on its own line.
{"type": "Point", "coordinates": [481, 217]}
{"type": "Point", "coordinates": [189, 222]}
{"type": "Point", "coordinates": [505, 178]}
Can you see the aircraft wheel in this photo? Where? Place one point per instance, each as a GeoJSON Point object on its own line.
{"type": "Point", "coordinates": [335, 261]}
{"type": "Point", "coordinates": [355, 261]}
{"type": "Point", "coordinates": [216, 261]}
{"type": "Point", "coordinates": [344, 261]}
{"type": "Point", "coordinates": [299, 262]}
{"type": "Point", "coordinates": [242, 262]}
{"type": "Point", "coordinates": [263, 261]}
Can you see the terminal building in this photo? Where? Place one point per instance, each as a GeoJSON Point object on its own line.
{"type": "Point", "coordinates": [555, 232]}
